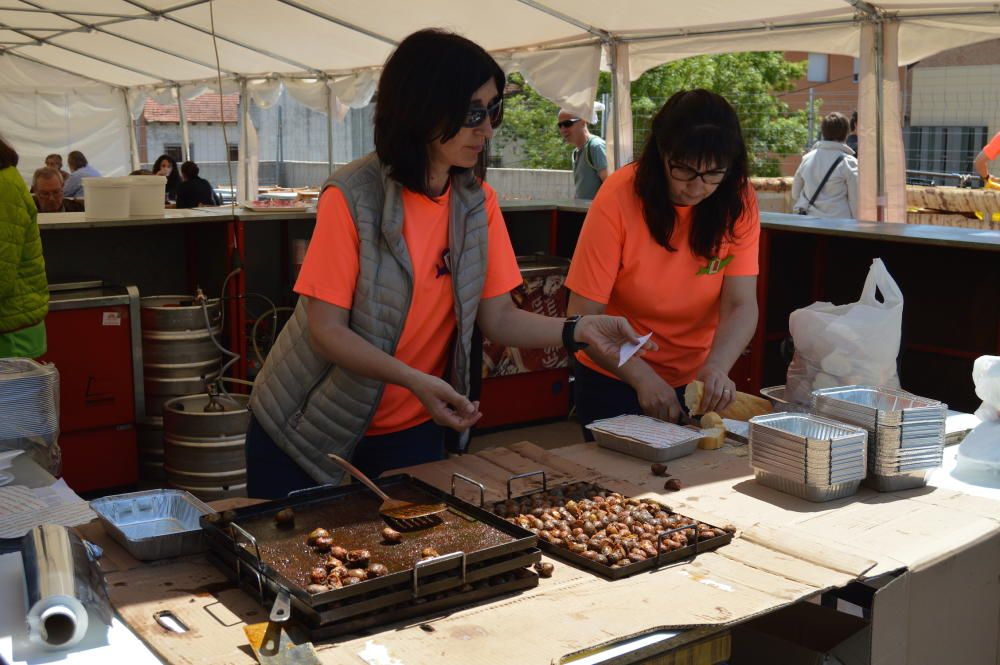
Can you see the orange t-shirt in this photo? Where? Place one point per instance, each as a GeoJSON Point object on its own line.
{"type": "Point", "coordinates": [330, 273]}
{"type": "Point", "coordinates": [617, 262]}
{"type": "Point", "coordinates": [992, 149]}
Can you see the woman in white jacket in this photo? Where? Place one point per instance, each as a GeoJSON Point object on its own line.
{"type": "Point", "coordinates": [826, 182]}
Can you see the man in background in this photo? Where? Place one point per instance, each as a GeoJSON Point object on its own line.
{"type": "Point", "coordinates": [47, 185]}
{"type": "Point", "coordinates": [80, 170]}
{"type": "Point", "coordinates": [590, 160]}
{"type": "Point", "coordinates": [54, 161]}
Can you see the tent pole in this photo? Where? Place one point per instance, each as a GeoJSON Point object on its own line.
{"type": "Point", "coordinates": [245, 139]}
{"type": "Point", "coordinates": [130, 127]}
{"type": "Point", "coordinates": [329, 126]}
{"type": "Point", "coordinates": [615, 130]}
{"type": "Point", "coordinates": [185, 136]}
{"type": "Point", "coordinates": [880, 200]}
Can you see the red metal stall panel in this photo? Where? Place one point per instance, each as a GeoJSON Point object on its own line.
{"type": "Point", "coordinates": [92, 349]}
{"type": "Point", "coordinates": [100, 458]}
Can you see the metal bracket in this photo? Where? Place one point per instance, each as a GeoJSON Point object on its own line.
{"type": "Point", "coordinates": [437, 559]}
{"type": "Point", "coordinates": [482, 488]}
{"type": "Point", "coordinates": [663, 536]}
{"type": "Point", "coordinates": [529, 474]}
{"type": "Point", "coordinates": [282, 609]}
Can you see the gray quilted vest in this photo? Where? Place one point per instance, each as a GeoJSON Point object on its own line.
{"type": "Point", "coordinates": [309, 406]}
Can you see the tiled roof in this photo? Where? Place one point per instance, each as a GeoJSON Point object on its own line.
{"type": "Point", "coordinates": [200, 109]}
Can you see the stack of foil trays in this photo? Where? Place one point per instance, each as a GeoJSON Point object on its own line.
{"type": "Point", "coordinates": [905, 432]}
{"type": "Point", "coordinates": [811, 457]}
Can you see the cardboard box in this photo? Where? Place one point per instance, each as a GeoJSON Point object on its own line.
{"type": "Point", "coordinates": [802, 634]}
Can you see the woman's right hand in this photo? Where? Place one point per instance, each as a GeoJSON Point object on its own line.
{"type": "Point", "coordinates": [658, 399]}
{"type": "Point", "coordinates": [447, 407]}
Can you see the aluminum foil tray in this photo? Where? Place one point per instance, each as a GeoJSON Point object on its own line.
{"type": "Point", "coordinates": [776, 395]}
{"type": "Point", "coordinates": [884, 406]}
{"type": "Point", "coordinates": [805, 491]}
{"type": "Point", "coordinates": [803, 427]}
{"type": "Point", "coordinates": [645, 437]}
{"type": "Point", "coordinates": [154, 524]}
{"type": "Point", "coordinates": [896, 482]}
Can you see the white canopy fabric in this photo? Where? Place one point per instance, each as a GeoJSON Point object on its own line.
{"type": "Point", "coordinates": [327, 54]}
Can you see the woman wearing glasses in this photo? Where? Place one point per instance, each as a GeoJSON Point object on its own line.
{"type": "Point", "coordinates": [670, 243]}
{"type": "Point", "coordinates": [408, 254]}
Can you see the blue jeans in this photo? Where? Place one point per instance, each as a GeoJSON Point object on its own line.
{"type": "Point", "coordinates": [272, 474]}
{"type": "Point", "coordinates": [599, 396]}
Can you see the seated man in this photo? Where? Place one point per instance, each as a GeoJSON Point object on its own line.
{"type": "Point", "coordinates": [55, 161]}
{"type": "Point", "coordinates": [79, 170]}
{"type": "Point", "coordinates": [47, 185]}
{"type": "Point", "coordinates": [194, 191]}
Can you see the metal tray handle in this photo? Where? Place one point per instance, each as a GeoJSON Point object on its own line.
{"type": "Point", "coordinates": [419, 565]}
{"type": "Point", "coordinates": [309, 490]}
{"type": "Point", "coordinates": [237, 529]}
{"type": "Point", "coordinates": [529, 474]}
{"type": "Point", "coordinates": [482, 488]}
{"type": "Point", "coordinates": [663, 536]}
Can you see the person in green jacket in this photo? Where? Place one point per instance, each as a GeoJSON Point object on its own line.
{"type": "Point", "coordinates": [24, 290]}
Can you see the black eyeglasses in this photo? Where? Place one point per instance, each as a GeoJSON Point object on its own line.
{"type": "Point", "coordinates": [476, 114]}
{"type": "Point", "coordinates": [566, 124]}
{"type": "Point", "coordinates": [687, 174]}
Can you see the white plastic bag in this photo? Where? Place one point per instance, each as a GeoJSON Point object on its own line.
{"type": "Point", "coordinates": [854, 344]}
{"type": "Point", "coordinates": [986, 376]}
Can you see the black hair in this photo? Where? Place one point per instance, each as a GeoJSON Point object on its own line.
{"type": "Point", "coordinates": [423, 96]}
{"type": "Point", "coordinates": [190, 170]}
{"type": "Point", "coordinates": [695, 127]}
{"type": "Point", "coordinates": [174, 178]}
{"type": "Point", "coordinates": [8, 156]}
{"type": "Point", "coordinates": [835, 127]}
{"type": "Point", "coordinates": [76, 160]}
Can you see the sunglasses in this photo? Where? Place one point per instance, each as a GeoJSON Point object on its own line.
{"type": "Point", "coordinates": [476, 114]}
{"type": "Point", "coordinates": [687, 174]}
{"type": "Point", "coordinates": [566, 124]}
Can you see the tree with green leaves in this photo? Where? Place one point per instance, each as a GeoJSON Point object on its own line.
{"type": "Point", "coordinates": [750, 81]}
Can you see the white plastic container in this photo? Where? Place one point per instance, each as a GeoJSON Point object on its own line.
{"type": "Point", "coordinates": [107, 198]}
{"type": "Point", "coordinates": [146, 195]}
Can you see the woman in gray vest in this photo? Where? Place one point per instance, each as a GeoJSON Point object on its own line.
{"type": "Point", "coordinates": [409, 252]}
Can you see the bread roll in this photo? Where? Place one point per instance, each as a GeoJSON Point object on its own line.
{"type": "Point", "coordinates": [712, 419]}
{"type": "Point", "coordinates": [743, 406]}
{"type": "Point", "coordinates": [712, 438]}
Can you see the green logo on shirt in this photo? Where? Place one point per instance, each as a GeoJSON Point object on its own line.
{"type": "Point", "coordinates": [715, 265]}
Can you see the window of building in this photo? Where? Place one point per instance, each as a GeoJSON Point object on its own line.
{"type": "Point", "coordinates": [819, 68]}
{"type": "Point", "coordinates": [174, 150]}
{"type": "Point", "coordinates": [936, 151]}
{"type": "Point", "coordinates": [234, 152]}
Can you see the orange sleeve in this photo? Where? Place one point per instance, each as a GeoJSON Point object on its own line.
{"type": "Point", "coordinates": [330, 268]}
{"type": "Point", "coordinates": [598, 254]}
{"type": "Point", "coordinates": [992, 149]}
{"type": "Point", "coordinates": [746, 241]}
{"type": "Point", "coordinates": [502, 272]}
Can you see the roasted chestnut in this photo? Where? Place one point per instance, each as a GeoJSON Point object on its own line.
{"type": "Point", "coordinates": [672, 485]}
{"type": "Point", "coordinates": [358, 573]}
{"type": "Point", "coordinates": [285, 518]}
{"type": "Point", "coordinates": [658, 469]}
{"type": "Point", "coordinates": [358, 558]}
{"type": "Point", "coordinates": [339, 552]}
{"type": "Point", "coordinates": [332, 562]}
{"type": "Point", "coordinates": [391, 535]}
{"type": "Point", "coordinates": [348, 581]}
{"type": "Point", "coordinates": [323, 543]}
{"type": "Point", "coordinates": [317, 533]}
{"type": "Point", "coordinates": [377, 570]}
{"type": "Point", "coordinates": [317, 588]}
{"type": "Point", "coordinates": [544, 569]}
{"type": "Point", "coordinates": [429, 552]}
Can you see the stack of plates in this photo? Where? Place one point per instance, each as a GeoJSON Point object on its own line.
{"type": "Point", "coordinates": [29, 409]}
{"type": "Point", "coordinates": [905, 432]}
{"type": "Point", "coordinates": [811, 457]}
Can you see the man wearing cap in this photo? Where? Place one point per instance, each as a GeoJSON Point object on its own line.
{"type": "Point", "coordinates": [590, 160]}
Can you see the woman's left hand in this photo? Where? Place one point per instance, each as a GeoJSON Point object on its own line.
{"type": "Point", "coordinates": [608, 334]}
{"type": "Point", "coordinates": [719, 389]}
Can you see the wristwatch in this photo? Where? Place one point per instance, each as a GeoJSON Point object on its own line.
{"type": "Point", "coordinates": [569, 327]}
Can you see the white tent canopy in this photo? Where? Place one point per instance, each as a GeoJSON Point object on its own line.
{"type": "Point", "coordinates": [74, 72]}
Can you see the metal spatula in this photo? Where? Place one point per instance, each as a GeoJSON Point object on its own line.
{"type": "Point", "coordinates": [406, 514]}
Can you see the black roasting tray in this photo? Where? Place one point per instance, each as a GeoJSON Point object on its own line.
{"type": "Point", "coordinates": [689, 552]}
{"type": "Point", "coordinates": [467, 538]}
